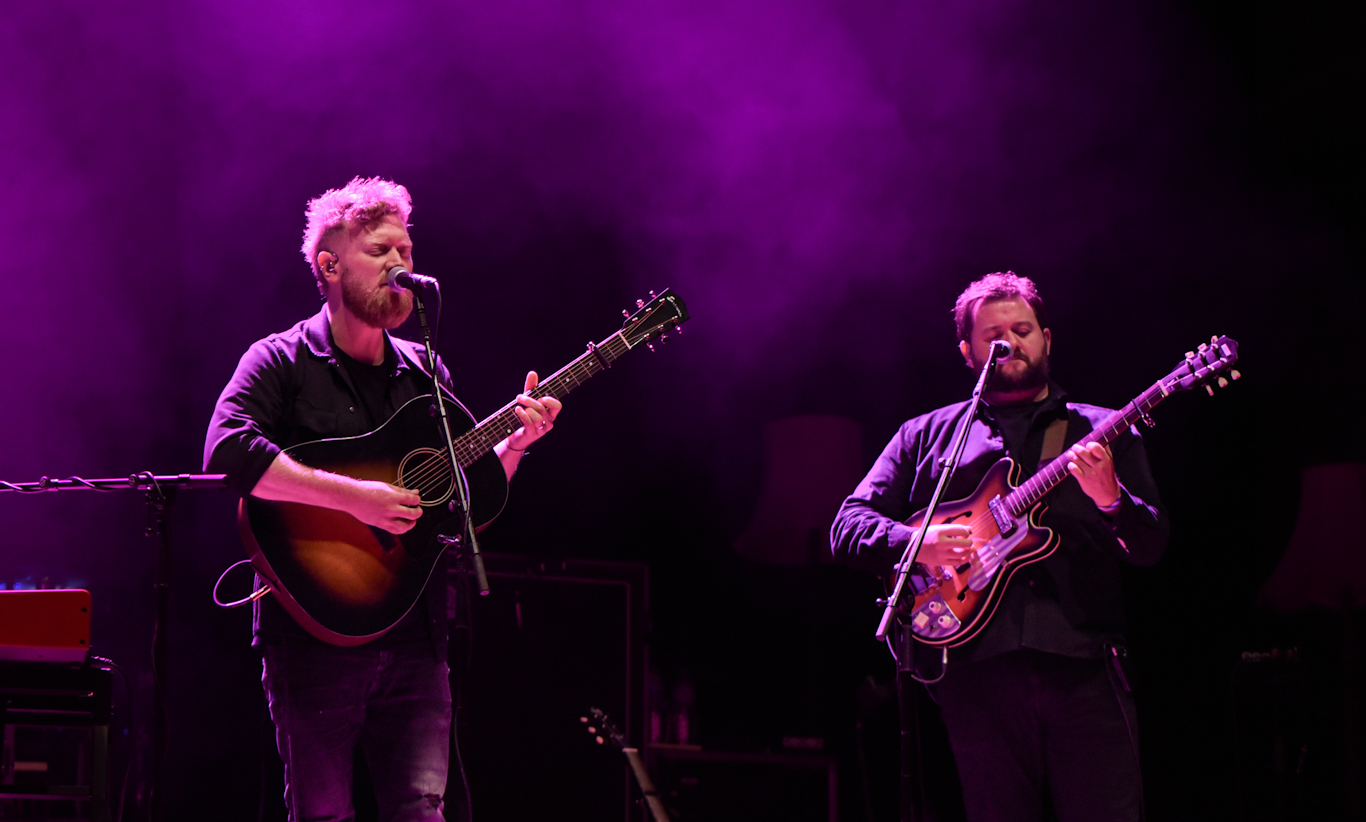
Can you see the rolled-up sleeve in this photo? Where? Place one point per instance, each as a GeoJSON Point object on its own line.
{"type": "Point", "coordinates": [867, 532]}
{"type": "Point", "coordinates": [1141, 524]}
{"type": "Point", "coordinates": [241, 441]}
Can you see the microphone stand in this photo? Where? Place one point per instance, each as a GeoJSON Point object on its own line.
{"type": "Point", "coordinates": [912, 779]}
{"type": "Point", "coordinates": [161, 494]}
{"type": "Point", "coordinates": [459, 485]}
{"type": "Point", "coordinates": [948, 465]}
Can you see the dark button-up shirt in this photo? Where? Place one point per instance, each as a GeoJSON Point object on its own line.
{"type": "Point", "coordinates": [291, 388]}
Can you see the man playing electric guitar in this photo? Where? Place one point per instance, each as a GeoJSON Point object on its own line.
{"type": "Point", "coordinates": [1033, 698]}
{"type": "Point", "coordinates": [340, 374]}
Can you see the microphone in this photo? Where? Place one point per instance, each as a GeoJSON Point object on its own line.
{"type": "Point", "coordinates": [1000, 349]}
{"type": "Point", "coordinates": [401, 279]}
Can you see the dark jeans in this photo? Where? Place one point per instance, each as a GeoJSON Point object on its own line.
{"type": "Point", "coordinates": [396, 705]}
{"type": "Point", "coordinates": [1026, 725]}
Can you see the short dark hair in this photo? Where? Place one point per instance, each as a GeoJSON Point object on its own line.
{"type": "Point", "coordinates": [1002, 285]}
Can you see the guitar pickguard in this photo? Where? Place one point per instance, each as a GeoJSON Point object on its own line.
{"type": "Point", "coordinates": [994, 552]}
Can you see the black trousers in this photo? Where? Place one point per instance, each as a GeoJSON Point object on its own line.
{"type": "Point", "coordinates": [1030, 729]}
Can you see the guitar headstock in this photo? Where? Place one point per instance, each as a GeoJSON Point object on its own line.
{"type": "Point", "coordinates": [602, 727]}
{"type": "Point", "coordinates": [1212, 363]}
{"type": "Point", "coordinates": [663, 313]}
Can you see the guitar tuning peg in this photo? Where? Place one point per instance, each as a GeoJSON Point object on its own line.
{"type": "Point", "coordinates": [1190, 355]}
{"type": "Point", "coordinates": [678, 329]}
{"type": "Point", "coordinates": [1209, 390]}
{"type": "Point", "coordinates": [1223, 383]}
{"type": "Point", "coordinates": [625, 313]}
{"type": "Point", "coordinates": [652, 294]}
{"type": "Point", "coordinates": [1236, 374]}
{"type": "Point", "coordinates": [650, 346]}
{"type": "Point", "coordinates": [1201, 348]}
{"type": "Point", "coordinates": [599, 739]}
{"type": "Point", "coordinates": [1213, 338]}
{"type": "Point", "coordinates": [640, 303]}
{"type": "Point", "coordinates": [663, 339]}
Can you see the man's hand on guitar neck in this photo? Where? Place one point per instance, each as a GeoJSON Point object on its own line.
{"type": "Point", "coordinates": [379, 504]}
{"type": "Point", "coordinates": [1094, 467]}
{"type": "Point", "coordinates": [537, 417]}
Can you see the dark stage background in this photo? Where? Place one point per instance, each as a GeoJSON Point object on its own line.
{"type": "Point", "coordinates": [818, 180]}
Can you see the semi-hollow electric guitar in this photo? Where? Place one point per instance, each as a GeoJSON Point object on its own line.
{"type": "Point", "coordinates": [952, 604]}
{"type": "Point", "coordinates": [347, 583]}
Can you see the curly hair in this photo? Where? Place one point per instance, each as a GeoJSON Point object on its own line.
{"type": "Point", "coordinates": [1002, 285]}
{"type": "Point", "coordinates": [360, 201]}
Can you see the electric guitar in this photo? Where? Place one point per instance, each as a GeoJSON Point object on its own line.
{"type": "Point", "coordinates": [952, 604]}
{"type": "Point", "coordinates": [348, 583]}
{"type": "Point", "coordinates": [602, 728]}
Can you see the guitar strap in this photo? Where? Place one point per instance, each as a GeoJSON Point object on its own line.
{"type": "Point", "coordinates": [1053, 438]}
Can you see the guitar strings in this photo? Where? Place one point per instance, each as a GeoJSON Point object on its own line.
{"type": "Point", "coordinates": [432, 474]}
{"type": "Point", "coordinates": [1030, 490]}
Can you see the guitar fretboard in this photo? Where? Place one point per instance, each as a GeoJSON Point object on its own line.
{"type": "Point", "coordinates": [480, 439]}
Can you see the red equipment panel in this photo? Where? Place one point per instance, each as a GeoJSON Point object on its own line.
{"type": "Point", "coordinates": [45, 626]}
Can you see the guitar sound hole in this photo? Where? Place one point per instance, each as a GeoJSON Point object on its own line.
{"type": "Point", "coordinates": [428, 472]}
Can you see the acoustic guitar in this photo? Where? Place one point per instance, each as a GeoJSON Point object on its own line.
{"type": "Point", "coordinates": [953, 604]}
{"type": "Point", "coordinates": [347, 583]}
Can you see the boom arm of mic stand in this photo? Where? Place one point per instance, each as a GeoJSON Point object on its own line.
{"type": "Point", "coordinates": [457, 473]}
{"type": "Point", "coordinates": [949, 465]}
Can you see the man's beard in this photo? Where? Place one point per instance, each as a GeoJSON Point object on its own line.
{"type": "Point", "coordinates": [379, 308]}
{"type": "Point", "coordinates": [1033, 378]}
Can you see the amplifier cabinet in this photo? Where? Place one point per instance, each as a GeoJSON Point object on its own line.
{"type": "Point", "coordinates": [549, 641]}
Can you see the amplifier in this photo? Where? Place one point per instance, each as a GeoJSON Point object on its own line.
{"type": "Point", "coordinates": [551, 640]}
{"type": "Point", "coordinates": [45, 626]}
